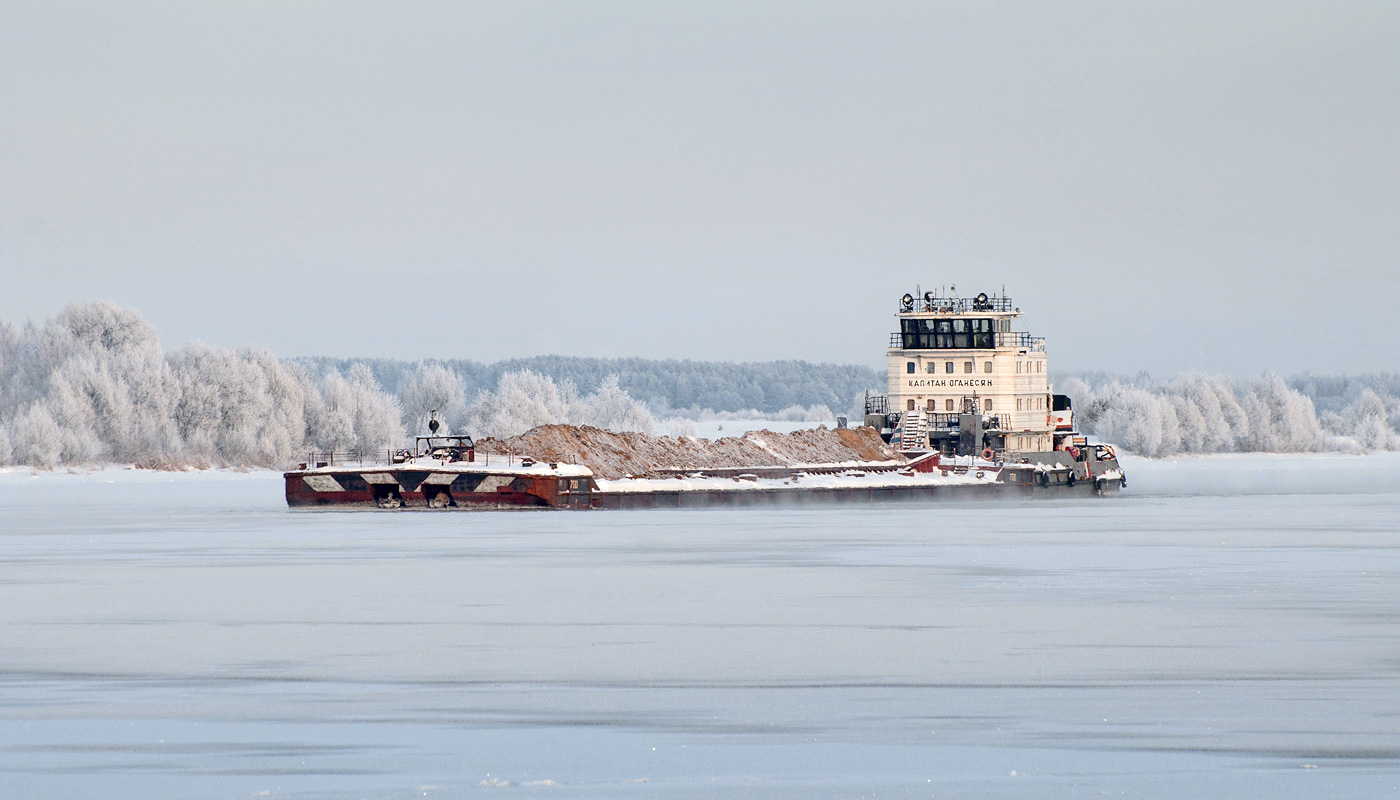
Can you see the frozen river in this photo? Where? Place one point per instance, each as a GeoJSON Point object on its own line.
{"type": "Point", "coordinates": [1229, 627]}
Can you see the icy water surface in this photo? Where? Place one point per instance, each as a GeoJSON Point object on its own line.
{"type": "Point", "coordinates": [187, 636]}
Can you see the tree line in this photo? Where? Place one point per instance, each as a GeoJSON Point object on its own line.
{"type": "Point", "coordinates": [93, 385]}
{"type": "Point", "coordinates": [1199, 413]}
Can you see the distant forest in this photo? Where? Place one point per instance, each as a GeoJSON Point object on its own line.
{"type": "Point", "coordinates": [668, 387]}
{"type": "Point", "coordinates": [1199, 413]}
{"type": "Point", "coordinates": [94, 386]}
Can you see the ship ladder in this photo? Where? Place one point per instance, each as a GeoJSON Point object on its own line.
{"type": "Point", "coordinates": [913, 434]}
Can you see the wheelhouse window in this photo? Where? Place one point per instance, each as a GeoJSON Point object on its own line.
{"type": "Point", "coordinates": [946, 334]}
{"type": "Point", "coordinates": [967, 367]}
{"type": "Point", "coordinates": [949, 368]}
{"type": "Point", "coordinates": [932, 367]}
{"type": "Point", "coordinates": [909, 368]}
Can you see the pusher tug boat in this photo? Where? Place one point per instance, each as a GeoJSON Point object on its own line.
{"type": "Point", "coordinates": [969, 411]}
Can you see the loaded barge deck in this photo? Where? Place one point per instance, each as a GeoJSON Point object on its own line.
{"type": "Point", "coordinates": [502, 483]}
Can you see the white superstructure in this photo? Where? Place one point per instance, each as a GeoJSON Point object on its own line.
{"type": "Point", "coordinates": [960, 379]}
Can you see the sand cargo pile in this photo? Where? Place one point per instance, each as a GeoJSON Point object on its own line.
{"type": "Point", "coordinates": [611, 455]}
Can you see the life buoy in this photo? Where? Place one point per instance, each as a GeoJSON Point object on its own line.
{"type": "Point", "coordinates": [988, 454]}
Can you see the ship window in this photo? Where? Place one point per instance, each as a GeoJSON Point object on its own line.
{"type": "Point", "coordinates": [909, 368]}
{"type": "Point", "coordinates": [967, 367]}
{"type": "Point", "coordinates": [1018, 404]}
{"type": "Point", "coordinates": [989, 404]}
{"type": "Point", "coordinates": [949, 368]}
{"type": "Point", "coordinates": [943, 334]}
{"type": "Point", "coordinates": [911, 405]}
{"type": "Point", "coordinates": [987, 368]}
{"type": "Point", "coordinates": [930, 405]}
{"type": "Point", "coordinates": [950, 401]}
{"type": "Point", "coordinates": [932, 367]}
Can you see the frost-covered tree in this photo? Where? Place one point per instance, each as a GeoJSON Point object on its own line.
{"type": "Point", "coordinates": [102, 375]}
{"type": "Point", "coordinates": [1209, 414]}
{"type": "Point", "coordinates": [1198, 414]}
{"type": "Point", "coordinates": [378, 423]}
{"type": "Point", "coordinates": [1281, 419]}
{"type": "Point", "coordinates": [522, 400]}
{"type": "Point", "coordinates": [432, 387]}
{"type": "Point", "coordinates": [356, 414]}
{"type": "Point", "coordinates": [1143, 422]}
{"type": "Point", "coordinates": [613, 409]}
{"type": "Point", "coordinates": [1369, 423]}
{"type": "Point", "coordinates": [238, 407]}
{"type": "Point", "coordinates": [36, 438]}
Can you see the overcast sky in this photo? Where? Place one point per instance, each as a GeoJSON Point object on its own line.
{"type": "Point", "coordinates": [1161, 188]}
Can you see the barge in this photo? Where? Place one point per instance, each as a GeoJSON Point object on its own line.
{"type": "Point", "coordinates": [969, 411]}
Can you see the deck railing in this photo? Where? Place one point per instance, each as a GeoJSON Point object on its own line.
{"type": "Point", "coordinates": [938, 420]}
{"type": "Point", "coordinates": [877, 403]}
{"type": "Point", "coordinates": [1023, 341]}
{"type": "Point", "coordinates": [338, 457]}
{"type": "Point", "coordinates": [956, 305]}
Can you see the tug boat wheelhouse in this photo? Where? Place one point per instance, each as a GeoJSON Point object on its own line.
{"type": "Point", "coordinates": [962, 382]}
